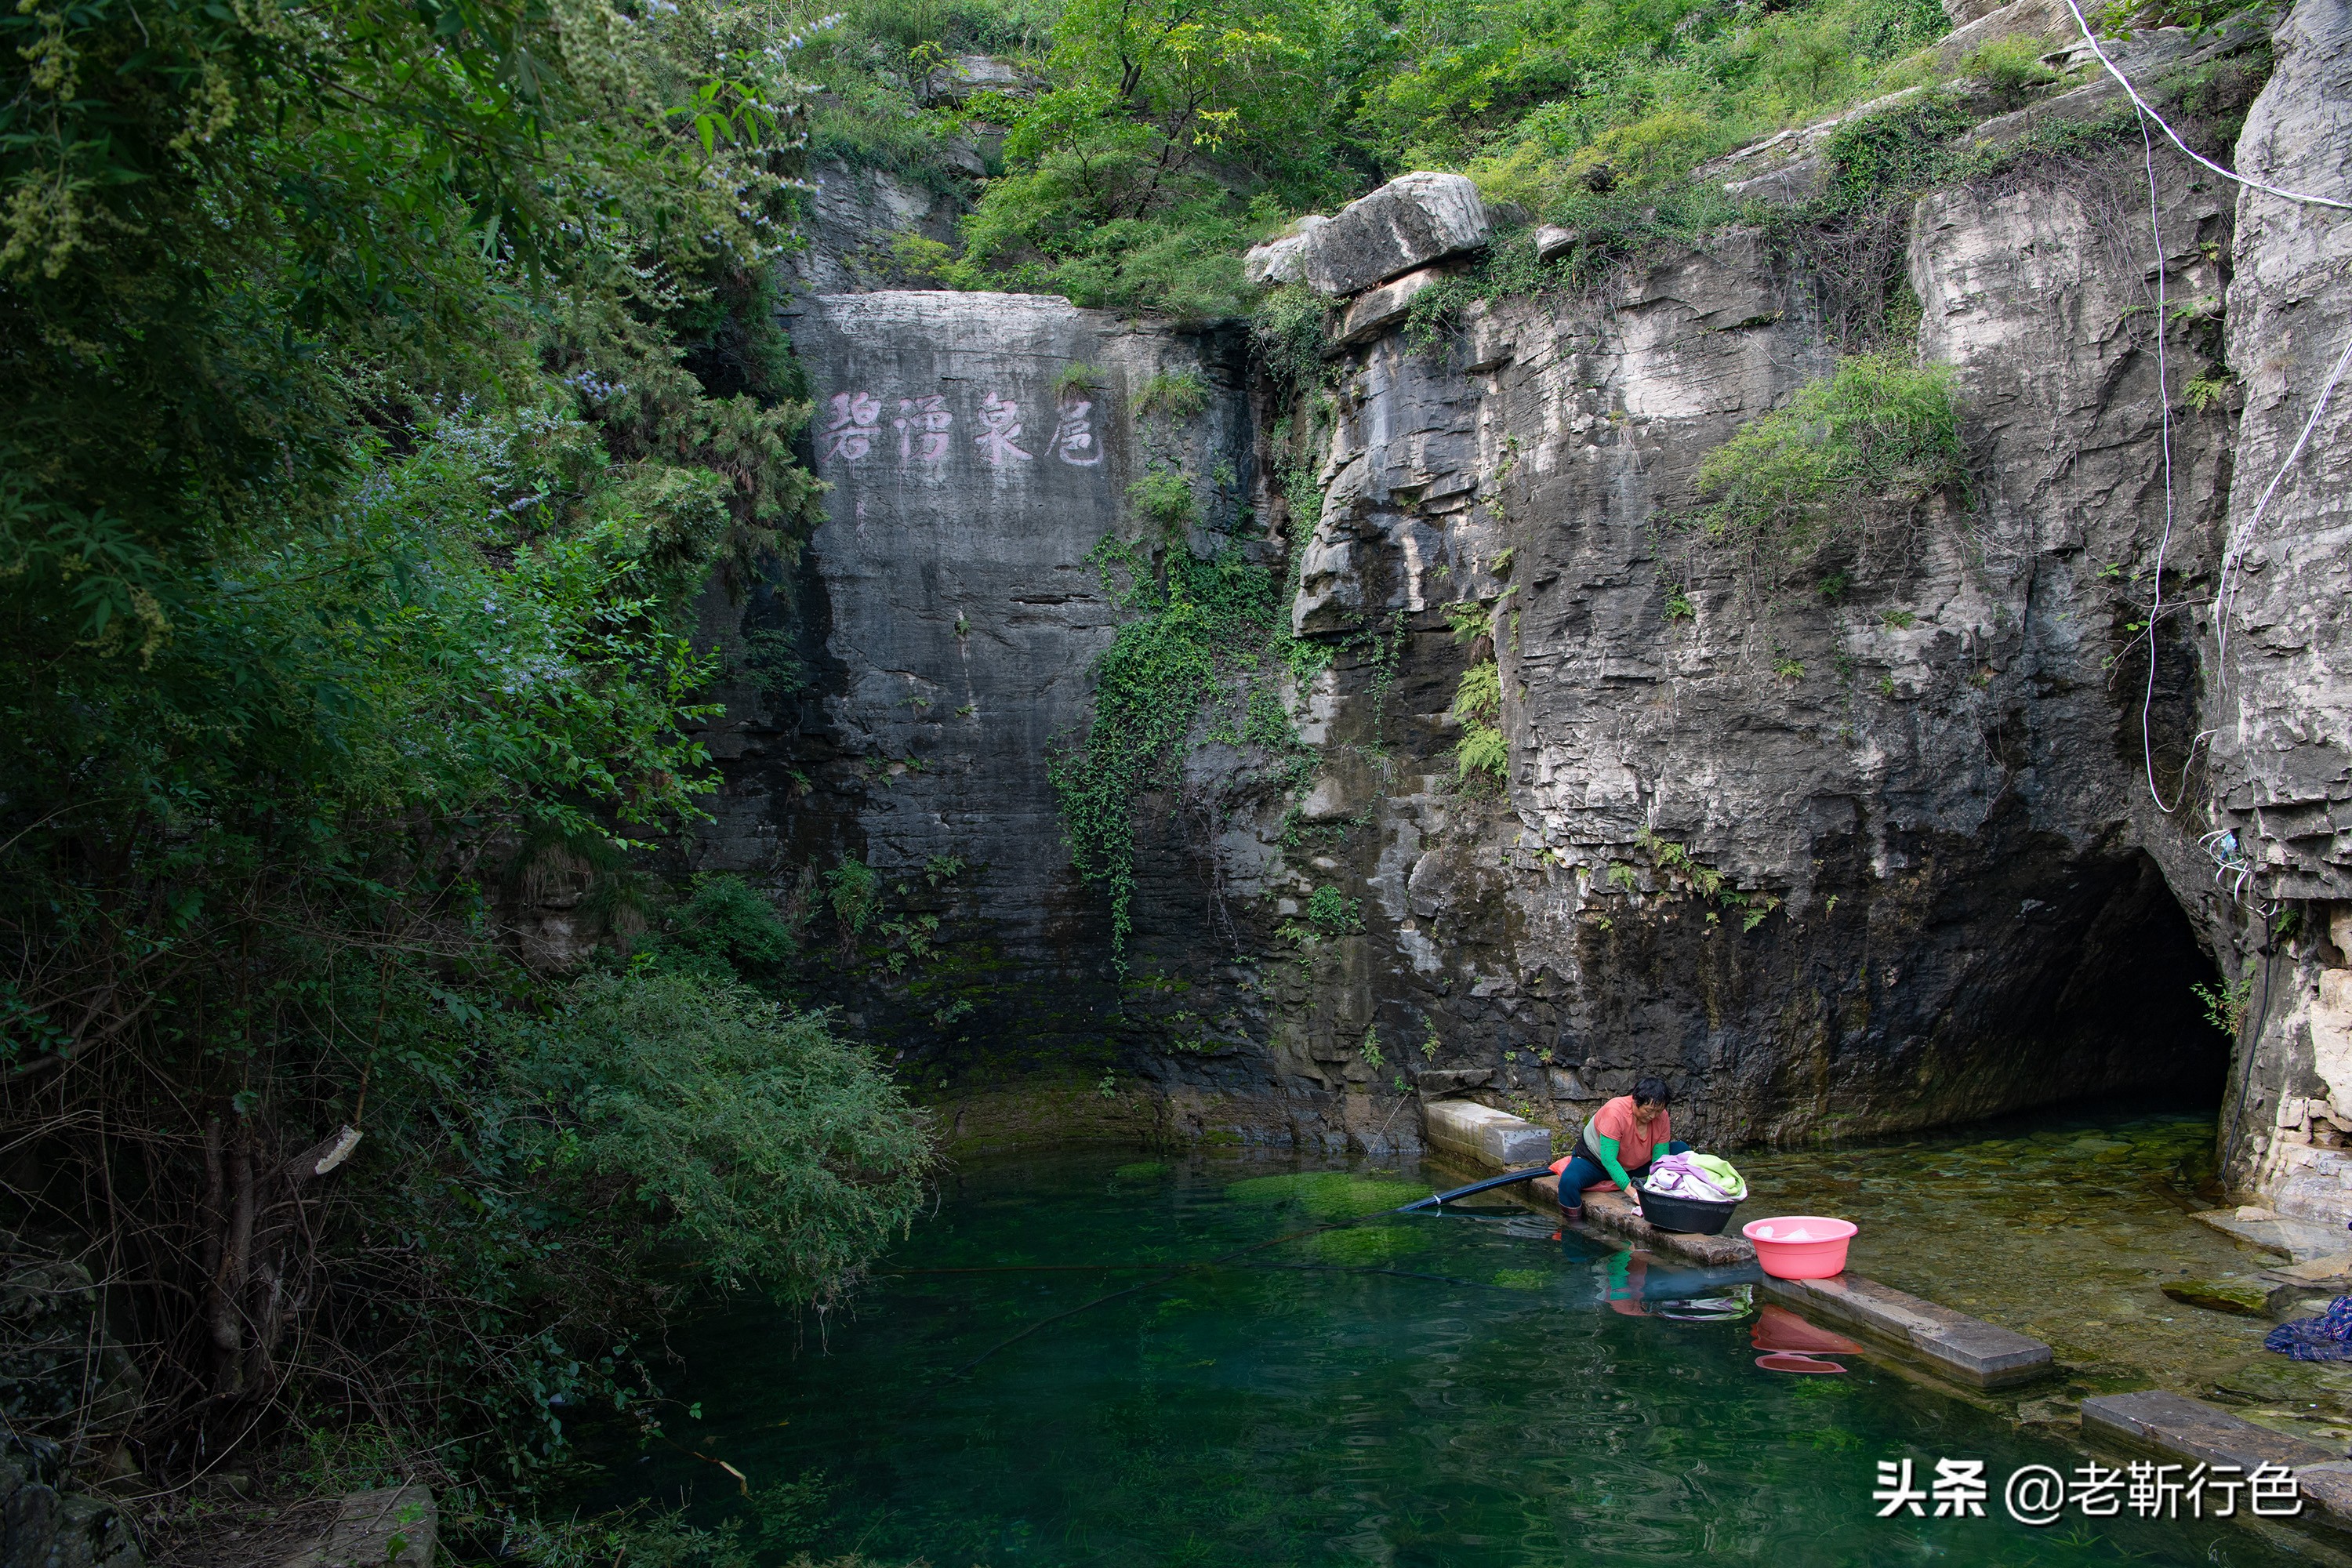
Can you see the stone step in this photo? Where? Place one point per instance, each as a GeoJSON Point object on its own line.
{"type": "Point", "coordinates": [2200, 1434]}
{"type": "Point", "coordinates": [1968, 1350]}
{"type": "Point", "coordinates": [1612, 1210]}
{"type": "Point", "coordinates": [1495, 1139]}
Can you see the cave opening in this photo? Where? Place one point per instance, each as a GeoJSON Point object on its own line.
{"type": "Point", "coordinates": [2106, 995]}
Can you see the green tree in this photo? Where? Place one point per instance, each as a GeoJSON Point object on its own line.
{"type": "Point", "coordinates": [384, 379]}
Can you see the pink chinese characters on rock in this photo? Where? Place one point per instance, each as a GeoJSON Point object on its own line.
{"type": "Point", "coordinates": [1074, 438]}
{"type": "Point", "coordinates": [922, 425]}
{"type": "Point", "coordinates": [1000, 430]}
{"type": "Point", "coordinates": [850, 431]}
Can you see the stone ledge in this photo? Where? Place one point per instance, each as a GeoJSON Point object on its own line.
{"type": "Point", "coordinates": [1969, 1350]}
{"type": "Point", "coordinates": [1982, 1354]}
{"type": "Point", "coordinates": [1496, 1138]}
{"type": "Point", "coordinates": [2196, 1432]}
{"type": "Point", "coordinates": [1611, 1210]}
{"type": "Point", "coordinates": [2302, 1240]}
{"type": "Point", "coordinates": [1376, 311]}
{"type": "Point", "coordinates": [395, 1526]}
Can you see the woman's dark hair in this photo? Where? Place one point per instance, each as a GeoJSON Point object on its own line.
{"type": "Point", "coordinates": [1649, 1090]}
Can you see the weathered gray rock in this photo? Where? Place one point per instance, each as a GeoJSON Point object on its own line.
{"type": "Point", "coordinates": [2281, 645]}
{"type": "Point", "coordinates": [2043, 21]}
{"type": "Point", "coordinates": [1792, 166]}
{"type": "Point", "coordinates": [1410, 222]}
{"type": "Point", "coordinates": [390, 1527]}
{"type": "Point", "coordinates": [45, 1525]}
{"type": "Point", "coordinates": [966, 76]}
{"type": "Point", "coordinates": [1962, 11]}
{"type": "Point", "coordinates": [854, 216]}
{"type": "Point", "coordinates": [1282, 259]}
{"type": "Point", "coordinates": [1865, 770]}
{"type": "Point", "coordinates": [1552, 242]}
{"type": "Point", "coordinates": [1378, 311]}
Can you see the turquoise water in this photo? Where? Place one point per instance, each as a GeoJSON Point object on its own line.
{"type": "Point", "coordinates": [1407, 1390]}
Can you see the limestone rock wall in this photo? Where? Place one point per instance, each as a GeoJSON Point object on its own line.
{"type": "Point", "coordinates": [1928, 830]}
{"type": "Point", "coordinates": [1944, 887]}
{"type": "Point", "coordinates": [2279, 697]}
{"type": "Point", "coordinates": [897, 691]}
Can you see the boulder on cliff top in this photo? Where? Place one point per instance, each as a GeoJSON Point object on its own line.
{"type": "Point", "coordinates": [1410, 222]}
{"type": "Point", "coordinates": [1282, 259]}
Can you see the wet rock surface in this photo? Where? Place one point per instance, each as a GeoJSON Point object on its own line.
{"type": "Point", "coordinates": [2068, 1228]}
{"type": "Point", "coordinates": [2246, 1298]}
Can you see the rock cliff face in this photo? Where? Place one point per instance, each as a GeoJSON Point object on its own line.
{"type": "Point", "coordinates": [1923, 832]}
{"type": "Point", "coordinates": [2279, 699]}
{"type": "Point", "coordinates": [898, 692]}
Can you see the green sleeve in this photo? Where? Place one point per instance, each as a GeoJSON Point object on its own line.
{"type": "Point", "coordinates": [1606, 1147]}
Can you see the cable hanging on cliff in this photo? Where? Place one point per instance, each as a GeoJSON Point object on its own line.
{"type": "Point", "coordinates": [2164, 541]}
{"type": "Point", "coordinates": [2148, 113]}
{"type": "Point", "coordinates": [2239, 536]}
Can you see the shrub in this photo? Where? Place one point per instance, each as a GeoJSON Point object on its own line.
{"type": "Point", "coordinates": [1165, 497]}
{"type": "Point", "coordinates": [1868, 442]}
{"type": "Point", "coordinates": [723, 930]}
{"type": "Point", "coordinates": [1211, 619]}
{"type": "Point", "coordinates": [1333, 913]}
{"type": "Point", "coordinates": [1104, 227]}
{"type": "Point", "coordinates": [1470, 620]}
{"type": "Point", "coordinates": [854, 889]}
{"type": "Point", "coordinates": [681, 1116]}
{"type": "Point", "coordinates": [1896, 152]}
{"type": "Point", "coordinates": [2008, 65]}
{"type": "Point", "coordinates": [1287, 332]}
{"type": "Point", "coordinates": [1180, 394]}
{"type": "Point", "coordinates": [1076, 381]}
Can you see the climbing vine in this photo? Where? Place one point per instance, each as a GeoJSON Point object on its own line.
{"type": "Point", "coordinates": [1201, 625]}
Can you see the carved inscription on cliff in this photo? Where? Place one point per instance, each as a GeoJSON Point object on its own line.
{"type": "Point", "coordinates": [865, 429]}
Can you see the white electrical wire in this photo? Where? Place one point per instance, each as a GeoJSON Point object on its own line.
{"type": "Point", "coordinates": [2164, 544]}
{"type": "Point", "coordinates": [2242, 534]}
{"type": "Point", "coordinates": [2142, 105]}
{"type": "Point", "coordinates": [2239, 535]}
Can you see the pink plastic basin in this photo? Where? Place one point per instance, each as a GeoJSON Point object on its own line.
{"type": "Point", "coordinates": [1799, 1246]}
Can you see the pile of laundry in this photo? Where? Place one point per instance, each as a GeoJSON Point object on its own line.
{"type": "Point", "coordinates": [1705, 1177]}
{"type": "Point", "coordinates": [2327, 1337]}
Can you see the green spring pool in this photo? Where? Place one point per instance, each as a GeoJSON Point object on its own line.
{"type": "Point", "coordinates": [1453, 1390]}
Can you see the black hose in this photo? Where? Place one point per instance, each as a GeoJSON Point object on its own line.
{"type": "Point", "coordinates": [2246, 1076]}
{"type": "Point", "coordinates": [1504, 1180]}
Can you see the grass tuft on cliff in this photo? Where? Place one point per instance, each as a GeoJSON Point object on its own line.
{"type": "Point", "coordinates": [1869, 441]}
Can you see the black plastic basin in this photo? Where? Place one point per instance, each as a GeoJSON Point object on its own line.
{"type": "Point", "coordinates": [1693, 1216]}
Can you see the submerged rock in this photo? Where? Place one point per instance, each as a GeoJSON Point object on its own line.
{"type": "Point", "coordinates": [2246, 1298]}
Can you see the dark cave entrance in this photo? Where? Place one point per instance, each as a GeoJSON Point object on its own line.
{"type": "Point", "coordinates": [2091, 987]}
